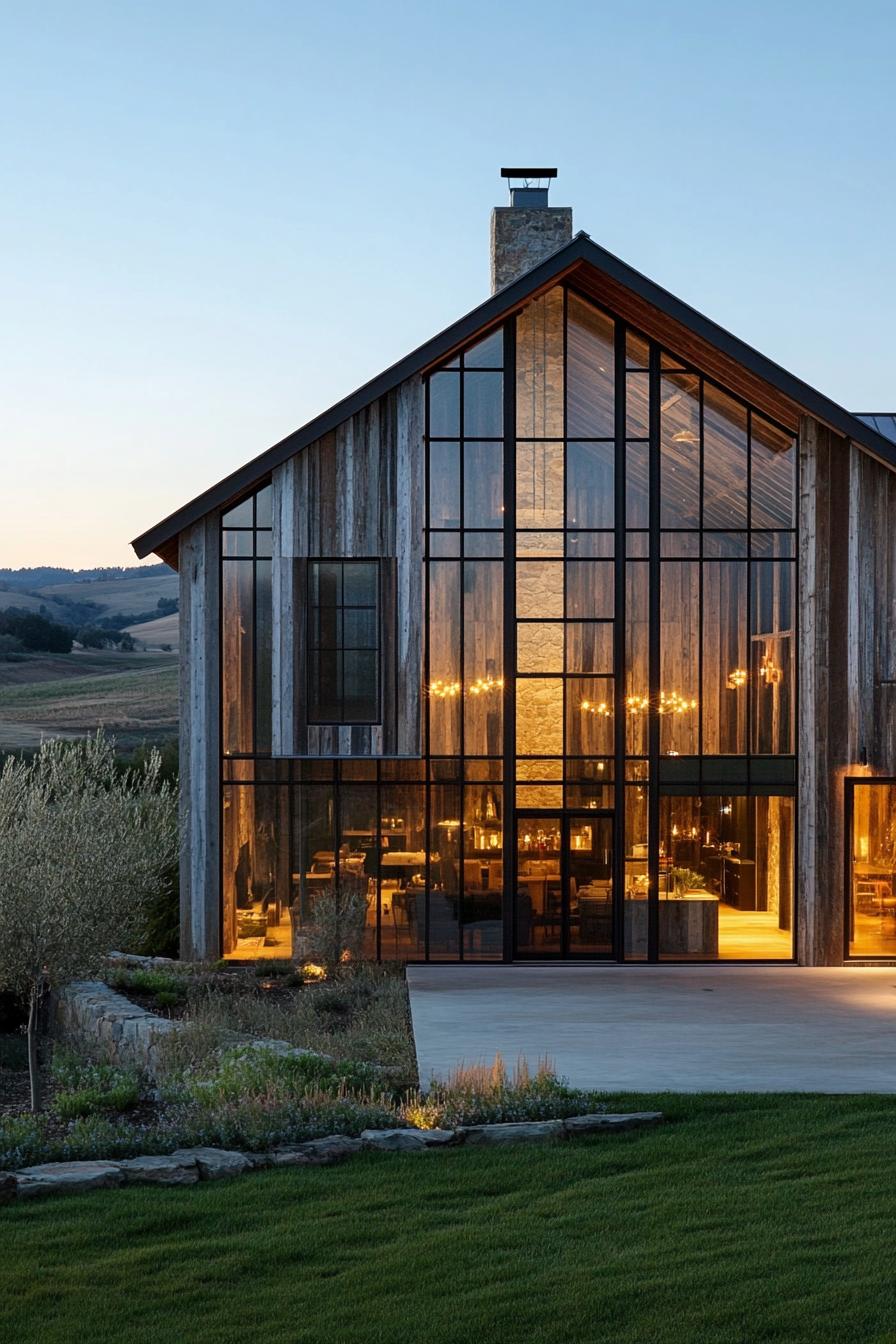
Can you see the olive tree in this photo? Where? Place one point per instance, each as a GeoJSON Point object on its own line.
{"type": "Point", "coordinates": [84, 845]}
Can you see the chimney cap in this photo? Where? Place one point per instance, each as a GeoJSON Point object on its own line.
{"type": "Point", "coordinates": [529, 186]}
{"type": "Point", "coordinates": [527, 174]}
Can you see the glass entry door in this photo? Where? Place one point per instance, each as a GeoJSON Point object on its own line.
{"type": "Point", "coordinates": [564, 884]}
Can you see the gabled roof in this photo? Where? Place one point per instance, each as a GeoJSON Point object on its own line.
{"type": "Point", "coordinates": [586, 261]}
{"type": "Point", "coordinates": [882, 421]}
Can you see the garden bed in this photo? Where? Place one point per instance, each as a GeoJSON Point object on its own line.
{"type": "Point", "coordinates": [252, 1059]}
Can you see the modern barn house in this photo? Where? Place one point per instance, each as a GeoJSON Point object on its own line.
{"type": "Point", "coordinates": [570, 636]}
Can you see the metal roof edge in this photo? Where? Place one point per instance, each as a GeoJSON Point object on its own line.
{"type": "Point", "coordinates": [581, 248]}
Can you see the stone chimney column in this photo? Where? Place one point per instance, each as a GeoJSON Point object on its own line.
{"type": "Point", "coordinates": [528, 230]}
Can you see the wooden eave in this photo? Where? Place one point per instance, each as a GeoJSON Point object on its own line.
{"type": "Point", "coordinates": [610, 282]}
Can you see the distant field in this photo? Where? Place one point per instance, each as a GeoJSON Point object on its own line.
{"type": "Point", "coordinates": [61, 666]}
{"type": "Point", "coordinates": [133, 696]}
{"type": "Point", "coordinates": [117, 596]}
{"type": "Point", "coordinates": [153, 634]}
{"type": "Point", "coordinates": [56, 611]}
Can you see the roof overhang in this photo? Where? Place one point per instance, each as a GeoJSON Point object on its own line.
{"type": "Point", "coordinates": [609, 281]}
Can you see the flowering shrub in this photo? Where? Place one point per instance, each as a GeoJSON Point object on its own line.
{"type": "Point", "coordinates": [28, 1140]}
{"type": "Point", "coordinates": [264, 1122]}
{"type": "Point", "coordinates": [89, 1089]}
{"type": "Point", "coordinates": [255, 1125]}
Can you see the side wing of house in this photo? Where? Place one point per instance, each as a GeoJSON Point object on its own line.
{"type": "Point", "coordinates": [847, 705]}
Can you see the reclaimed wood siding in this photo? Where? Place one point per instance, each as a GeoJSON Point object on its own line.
{"type": "Point", "coordinates": [200, 740]}
{"type": "Point", "coordinates": [357, 491]}
{"type": "Point", "coordinates": [847, 665]}
{"type": "Point", "coordinates": [872, 669]}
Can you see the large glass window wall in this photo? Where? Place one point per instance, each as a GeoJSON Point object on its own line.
{"type": "Point", "coordinates": [609, 558]}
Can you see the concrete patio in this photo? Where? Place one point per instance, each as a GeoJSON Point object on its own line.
{"type": "Point", "coordinates": [675, 1028]}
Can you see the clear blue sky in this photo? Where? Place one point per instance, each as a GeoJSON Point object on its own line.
{"type": "Point", "coordinates": [218, 218]}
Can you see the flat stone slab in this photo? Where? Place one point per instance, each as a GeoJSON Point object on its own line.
{"type": "Point", "coordinates": [323, 1152]}
{"type": "Point", "coordinates": [288, 1157]}
{"type": "Point", "coordinates": [66, 1177]}
{"type": "Point", "coordinates": [532, 1131]}
{"type": "Point", "coordinates": [407, 1140]}
{"type": "Point", "coordinates": [215, 1163]}
{"type": "Point", "coordinates": [173, 1170]}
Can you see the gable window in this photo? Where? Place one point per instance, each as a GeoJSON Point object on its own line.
{"type": "Point", "coordinates": [343, 641]}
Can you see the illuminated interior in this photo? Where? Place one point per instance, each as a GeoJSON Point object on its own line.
{"type": "Point", "coordinates": [608, 765]}
{"type": "Point", "coordinates": [872, 869]}
{"type": "Point", "coordinates": [726, 877]}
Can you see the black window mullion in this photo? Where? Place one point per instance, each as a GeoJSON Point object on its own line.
{"type": "Point", "coordinates": [619, 650]}
{"type": "Point", "coordinates": [509, 855]}
{"type": "Point", "coordinates": [564, 861]}
{"type": "Point", "coordinates": [462, 596]}
{"type": "Point", "coordinates": [653, 720]}
{"type": "Point", "coordinates": [748, 745]}
{"type": "Point", "coordinates": [700, 596]}
{"type": "Point", "coordinates": [427, 729]}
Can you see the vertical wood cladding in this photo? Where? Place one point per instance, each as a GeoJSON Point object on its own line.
{"type": "Point", "coordinates": [872, 613]}
{"type": "Point", "coordinates": [200, 739]}
{"type": "Point", "coordinates": [357, 492]}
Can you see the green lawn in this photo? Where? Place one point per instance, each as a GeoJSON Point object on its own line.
{"type": "Point", "coordinates": [743, 1219]}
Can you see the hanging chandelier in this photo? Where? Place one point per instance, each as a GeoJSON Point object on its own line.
{"type": "Point", "coordinates": [670, 702]}
{"type": "Point", "coordinates": [440, 689]}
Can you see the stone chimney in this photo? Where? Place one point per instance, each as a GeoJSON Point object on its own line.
{"type": "Point", "coordinates": [527, 230]}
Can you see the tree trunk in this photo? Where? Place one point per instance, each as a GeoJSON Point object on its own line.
{"type": "Point", "coordinates": [33, 1034]}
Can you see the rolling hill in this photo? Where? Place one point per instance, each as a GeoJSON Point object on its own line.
{"type": "Point", "coordinates": [132, 695]}
{"type": "Point", "coordinates": [78, 597]}
{"type": "Point", "coordinates": [117, 597]}
{"type": "Point", "coordinates": [163, 631]}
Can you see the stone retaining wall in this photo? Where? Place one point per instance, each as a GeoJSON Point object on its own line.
{"type": "Point", "coordinates": [91, 1016]}
{"type": "Point", "coordinates": [186, 1166]}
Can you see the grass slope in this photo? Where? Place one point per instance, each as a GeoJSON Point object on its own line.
{"type": "Point", "coordinates": [48, 606]}
{"type": "Point", "coordinates": [744, 1219]}
{"type": "Point", "coordinates": [153, 634]}
{"type": "Point", "coordinates": [116, 596]}
{"type": "Point", "coordinates": [40, 667]}
{"type": "Point", "coordinates": [133, 695]}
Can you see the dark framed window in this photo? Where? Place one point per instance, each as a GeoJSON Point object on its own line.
{"type": "Point", "coordinates": [344, 641]}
